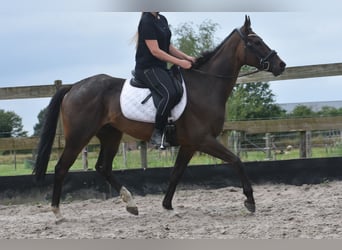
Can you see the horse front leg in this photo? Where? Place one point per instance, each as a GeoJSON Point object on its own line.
{"type": "Point", "coordinates": [184, 156]}
{"type": "Point", "coordinates": [212, 147]}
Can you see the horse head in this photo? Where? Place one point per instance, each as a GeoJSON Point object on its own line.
{"type": "Point", "coordinates": [256, 53]}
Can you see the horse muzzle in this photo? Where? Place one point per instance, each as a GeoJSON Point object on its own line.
{"type": "Point", "coordinates": [278, 68]}
{"type": "Point", "coordinates": [274, 65]}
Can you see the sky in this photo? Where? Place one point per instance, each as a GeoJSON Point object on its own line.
{"type": "Point", "coordinates": [40, 44]}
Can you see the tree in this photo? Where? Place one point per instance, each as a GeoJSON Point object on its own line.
{"type": "Point", "coordinates": [38, 126]}
{"type": "Point", "coordinates": [253, 101]}
{"type": "Point", "coordinates": [329, 111]}
{"type": "Point", "coordinates": [302, 111]}
{"type": "Point", "coordinates": [11, 125]}
{"type": "Point", "coordinates": [194, 42]}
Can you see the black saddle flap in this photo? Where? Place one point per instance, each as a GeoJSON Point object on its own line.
{"type": "Point", "coordinates": [137, 83]}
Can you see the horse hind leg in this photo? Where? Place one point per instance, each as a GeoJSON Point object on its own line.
{"type": "Point", "coordinates": [110, 141]}
{"type": "Point", "coordinates": [62, 167]}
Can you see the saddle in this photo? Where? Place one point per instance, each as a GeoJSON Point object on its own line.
{"type": "Point", "coordinates": [176, 76]}
{"type": "Point", "coordinates": [147, 114]}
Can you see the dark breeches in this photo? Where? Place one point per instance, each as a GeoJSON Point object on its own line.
{"type": "Point", "coordinates": [165, 93]}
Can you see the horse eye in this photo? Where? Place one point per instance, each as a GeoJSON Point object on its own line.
{"type": "Point", "coordinates": [258, 43]}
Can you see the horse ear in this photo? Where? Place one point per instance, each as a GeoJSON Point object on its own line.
{"type": "Point", "coordinates": [247, 24]}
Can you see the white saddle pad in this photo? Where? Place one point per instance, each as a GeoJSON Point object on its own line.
{"type": "Point", "coordinates": [130, 102]}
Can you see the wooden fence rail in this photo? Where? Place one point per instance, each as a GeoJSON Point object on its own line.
{"type": "Point", "coordinates": [300, 72]}
{"type": "Point", "coordinates": [24, 143]}
{"type": "Point", "coordinates": [285, 125]}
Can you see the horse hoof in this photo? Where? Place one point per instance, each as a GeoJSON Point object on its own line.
{"type": "Point", "coordinates": [60, 220]}
{"type": "Point", "coordinates": [132, 210]}
{"type": "Point", "coordinates": [167, 205]}
{"type": "Point", "coordinates": [168, 208]}
{"type": "Point", "coordinates": [250, 206]}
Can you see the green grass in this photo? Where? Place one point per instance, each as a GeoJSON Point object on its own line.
{"type": "Point", "coordinates": [155, 158]}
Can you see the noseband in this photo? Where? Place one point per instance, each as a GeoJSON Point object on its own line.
{"type": "Point", "coordinates": [263, 61]}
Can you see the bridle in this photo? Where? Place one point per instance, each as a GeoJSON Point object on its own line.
{"type": "Point", "coordinates": [263, 61]}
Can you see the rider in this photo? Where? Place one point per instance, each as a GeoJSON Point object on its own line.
{"type": "Point", "coordinates": [154, 51]}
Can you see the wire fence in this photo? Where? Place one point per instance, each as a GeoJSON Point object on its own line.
{"type": "Point", "coordinates": [284, 146]}
{"type": "Point", "coordinates": [249, 147]}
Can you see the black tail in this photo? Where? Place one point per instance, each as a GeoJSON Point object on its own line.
{"type": "Point", "coordinates": [48, 134]}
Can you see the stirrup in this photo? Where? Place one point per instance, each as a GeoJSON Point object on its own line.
{"type": "Point", "coordinates": [162, 144]}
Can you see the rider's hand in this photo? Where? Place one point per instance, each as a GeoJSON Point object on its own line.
{"type": "Point", "coordinates": [191, 59]}
{"type": "Point", "coordinates": [185, 64]}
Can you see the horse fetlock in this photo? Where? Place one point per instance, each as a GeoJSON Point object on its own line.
{"type": "Point", "coordinates": [249, 202]}
{"type": "Point", "coordinates": [57, 213]}
{"type": "Point", "coordinates": [100, 169]}
{"type": "Point", "coordinates": [126, 196]}
{"type": "Point", "coordinates": [167, 205]}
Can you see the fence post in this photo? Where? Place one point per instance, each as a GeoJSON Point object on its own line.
{"type": "Point", "coordinates": [85, 158]}
{"type": "Point", "coordinates": [225, 140]}
{"type": "Point", "coordinates": [302, 144]}
{"type": "Point", "coordinates": [15, 159]}
{"type": "Point", "coordinates": [236, 142]}
{"type": "Point", "coordinates": [305, 144]}
{"type": "Point", "coordinates": [143, 154]}
{"type": "Point", "coordinates": [59, 131]}
{"type": "Point", "coordinates": [124, 154]}
{"type": "Point", "coordinates": [268, 146]}
{"type": "Point", "coordinates": [308, 144]}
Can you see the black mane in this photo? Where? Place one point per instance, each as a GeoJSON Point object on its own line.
{"type": "Point", "coordinates": [207, 55]}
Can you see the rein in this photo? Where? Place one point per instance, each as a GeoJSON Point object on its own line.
{"type": "Point", "coordinates": [225, 76]}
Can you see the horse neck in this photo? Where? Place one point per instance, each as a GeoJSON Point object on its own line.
{"type": "Point", "coordinates": [226, 62]}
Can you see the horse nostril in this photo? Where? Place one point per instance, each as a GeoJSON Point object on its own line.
{"type": "Point", "coordinates": [282, 65]}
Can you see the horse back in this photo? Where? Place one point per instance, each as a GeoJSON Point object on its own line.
{"type": "Point", "coordinates": [94, 87]}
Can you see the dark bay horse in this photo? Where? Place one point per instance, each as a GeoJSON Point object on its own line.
{"type": "Point", "coordinates": [91, 107]}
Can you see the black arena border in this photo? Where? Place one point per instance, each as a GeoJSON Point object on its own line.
{"type": "Point", "coordinates": [90, 184]}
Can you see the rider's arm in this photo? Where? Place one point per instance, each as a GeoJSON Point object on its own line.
{"type": "Point", "coordinates": [162, 55]}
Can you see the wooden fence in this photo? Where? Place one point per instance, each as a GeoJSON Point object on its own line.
{"type": "Point", "coordinates": [300, 72]}
{"type": "Point", "coordinates": [259, 126]}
